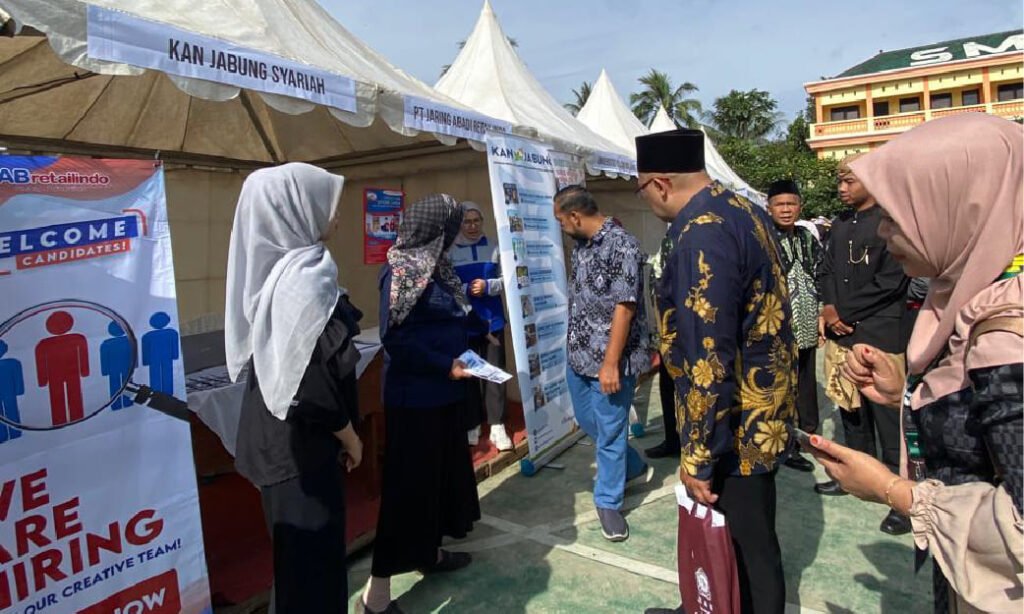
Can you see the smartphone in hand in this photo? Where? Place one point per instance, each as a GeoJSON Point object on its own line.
{"type": "Point", "coordinates": [802, 437]}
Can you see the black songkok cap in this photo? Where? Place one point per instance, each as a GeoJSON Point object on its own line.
{"type": "Point", "coordinates": [675, 151]}
{"type": "Point", "coordinates": [783, 186]}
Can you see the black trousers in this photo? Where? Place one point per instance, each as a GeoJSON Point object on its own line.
{"type": "Point", "coordinates": [490, 394]}
{"type": "Point", "coordinates": [306, 519]}
{"type": "Point", "coordinates": [667, 392]}
{"type": "Point", "coordinates": [807, 391]}
{"type": "Point", "coordinates": [749, 507]}
{"type": "Point", "coordinates": [859, 428]}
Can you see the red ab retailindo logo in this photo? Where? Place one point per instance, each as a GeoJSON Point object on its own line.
{"type": "Point", "coordinates": [21, 176]}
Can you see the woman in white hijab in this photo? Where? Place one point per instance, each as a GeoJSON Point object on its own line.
{"type": "Point", "coordinates": [287, 321]}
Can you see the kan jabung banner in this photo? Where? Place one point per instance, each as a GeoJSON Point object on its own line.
{"type": "Point", "coordinates": [523, 185]}
{"type": "Point", "coordinates": [99, 511]}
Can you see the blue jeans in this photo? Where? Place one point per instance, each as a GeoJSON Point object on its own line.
{"type": "Point", "coordinates": [606, 420]}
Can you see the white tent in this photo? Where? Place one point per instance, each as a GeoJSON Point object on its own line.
{"type": "Point", "coordinates": [126, 108]}
{"type": "Point", "coordinates": [606, 114]}
{"type": "Point", "coordinates": [490, 78]}
{"type": "Point", "coordinates": [713, 161]}
{"type": "Point", "coordinates": [662, 122]}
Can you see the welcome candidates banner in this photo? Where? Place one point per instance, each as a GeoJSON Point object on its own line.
{"type": "Point", "coordinates": [99, 512]}
{"type": "Point", "coordinates": [523, 184]}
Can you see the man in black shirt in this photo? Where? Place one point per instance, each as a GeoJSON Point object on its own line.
{"type": "Point", "coordinates": [863, 290]}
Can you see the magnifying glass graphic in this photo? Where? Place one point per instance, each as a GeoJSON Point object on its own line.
{"type": "Point", "coordinates": [63, 372]}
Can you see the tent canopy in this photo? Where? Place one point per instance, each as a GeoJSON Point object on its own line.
{"type": "Point", "coordinates": [662, 122]}
{"type": "Point", "coordinates": [713, 161]}
{"type": "Point", "coordinates": [128, 108]}
{"type": "Point", "coordinates": [489, 77]}
{"type": "Point", "coordinates": [607, 114]}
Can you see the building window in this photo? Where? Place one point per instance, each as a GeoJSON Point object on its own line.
{"type": "Point", "coordinates": [909, 105]}
{"type": "Point", "coordinates": [1010, 91]}
{"type": "Point", "coordinates": [942, 101]}
{"type": "Point", "coordinates": [881, 108]}
{"type": "Point", "coordinates": [839, 114]}
{"type": "Point", "coordinates": [970, 97]}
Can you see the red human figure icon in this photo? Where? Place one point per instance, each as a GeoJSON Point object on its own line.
{"type": "Point", "coordinates": [61, 363]}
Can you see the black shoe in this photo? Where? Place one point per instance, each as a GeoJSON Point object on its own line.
{"type": "Point", "coordinates": [391, 609]}
{"type": "Point", "coordinates": [894, 524]}
{"type": "Point", "coordinates": [613, 525]}
{"type": "Point", "coordinates": [450, 561]}
{"type": "Point", "coordinates": [662, 450]}
{"type": "Point", "coordinates": [798, 462]}
{"type": "Point", "coordinates": [830, 488]}
{"type": "Point", "coordinates": [678, 610]}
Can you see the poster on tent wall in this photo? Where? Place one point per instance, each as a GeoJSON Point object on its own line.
{"type": "Point", "coordinates": [99, 511]}
{"type": "Point", "coordinates": [523, 183]}
{"type": "Point", "coordinates": [382, 211]}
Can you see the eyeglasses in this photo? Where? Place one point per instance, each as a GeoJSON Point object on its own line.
{"type": "Point", "coordinates": [472, 222]}
{"type": "Point", "coordinates": [639, 191]}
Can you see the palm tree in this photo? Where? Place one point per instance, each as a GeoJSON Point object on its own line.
{"type": "Point", "coordinates": [658, 91]}
{"type": "Point", "coordinates": [582, 95]}
{"type": "Point", "coordinates": [462, 43]}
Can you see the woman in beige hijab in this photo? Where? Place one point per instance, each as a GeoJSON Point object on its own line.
{"type": "Point", "coordinates": [952, 195]}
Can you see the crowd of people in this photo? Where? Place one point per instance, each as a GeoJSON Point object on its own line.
{"type": "Point", "coordinates": [913, 294]}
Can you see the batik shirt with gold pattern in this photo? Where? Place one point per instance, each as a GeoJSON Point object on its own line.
{"type": "Point", "coordinates": [726, 336]}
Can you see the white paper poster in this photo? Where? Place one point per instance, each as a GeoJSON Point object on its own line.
{"type": "Point", "coordinates": [99, 511]}
{"type": "Point", "coordinates": [523, 184]}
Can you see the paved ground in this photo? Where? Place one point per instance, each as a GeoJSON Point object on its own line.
{"type": "Point", "coordinates": [539, 548]}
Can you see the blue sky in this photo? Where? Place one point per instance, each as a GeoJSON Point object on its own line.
{"type": "Point", "coordinates": [773, 45]}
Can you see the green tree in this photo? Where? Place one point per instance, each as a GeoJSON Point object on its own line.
{"type": "Point", "coordinates": [761, 163]}
{"type": "Point", "coordinates": [748, 115]}
{"type": "Point", "coordinates": [796, 134]}
{"type": "Point", "coordinates": [658, 91]}
{"type": "Point", "coordinates": [462, 44]}
{"type": "Point", "coordinates": [581, 95]}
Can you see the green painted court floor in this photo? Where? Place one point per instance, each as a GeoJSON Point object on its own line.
{"type": "Point", "coordinates": [539, 547]}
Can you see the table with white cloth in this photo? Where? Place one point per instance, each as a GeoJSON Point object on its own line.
{"type": "Point", "coordinates": [218, 401]}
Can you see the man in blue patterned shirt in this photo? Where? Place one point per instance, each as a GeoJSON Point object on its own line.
{"type": "Point", "coordinates": [607, 345]}
{"type": "Point", "coordinates": [727, 342]}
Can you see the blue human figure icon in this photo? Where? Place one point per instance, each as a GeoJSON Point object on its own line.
{"type": "Point", "coordinates": [160, 348]}
{"type": "Point", "coordinates": [116, 364]}
{"type": "Point", "coordinates": [12, 386]}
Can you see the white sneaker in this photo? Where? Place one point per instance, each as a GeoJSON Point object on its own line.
{"type": "Point", "coordinates": [473, 435]}
{"type": "Point", "coordinates": [644, 477]}
{"type": "Point", "coordinates": [500, 438]}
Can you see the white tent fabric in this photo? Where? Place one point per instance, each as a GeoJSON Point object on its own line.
{"type": "Point", "coordinates": [606, 114]}
{"type": "Point", "coordinates": [662, 122]}
{"type": "Point", "coordinates": [713, 161]}
{"type": "Point", "coordinates": [298, 30]}
{"type": "Point", "coordinates": [490, 78]}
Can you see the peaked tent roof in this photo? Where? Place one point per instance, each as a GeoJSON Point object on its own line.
{"type": "Point", "coordinates": [490, 78]}
{"type": "Point", "coordinates": [607, 114]}
{"type": "Point", "coordinates": [713, 161]}
{"type": "Point", "coordinates": [662, 122]}
{"type": "Point", "coordinates": [129, 108]}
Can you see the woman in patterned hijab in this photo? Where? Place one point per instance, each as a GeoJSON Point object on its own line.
{"type": "Point", "coordinates": [420, 255]}
{"type": "Point", "coordinates": [429, 489]}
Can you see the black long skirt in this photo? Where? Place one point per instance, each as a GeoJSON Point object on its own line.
{"type": "Point", "coordinates": [306, 519]}
{"type": "Point", "coordinates": [429, 488]}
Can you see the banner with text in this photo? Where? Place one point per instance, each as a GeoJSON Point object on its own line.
{"type": "Point", "coordinates": [429, 116]}
{"type": "Point", "coordinates": [382, 213]}
{"type": "Point", "coordinates": [99, 511]}
{"type": "Point", "coordinates": [117, 36]}
{"type": "Point", "coordinates": [523, 184]}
